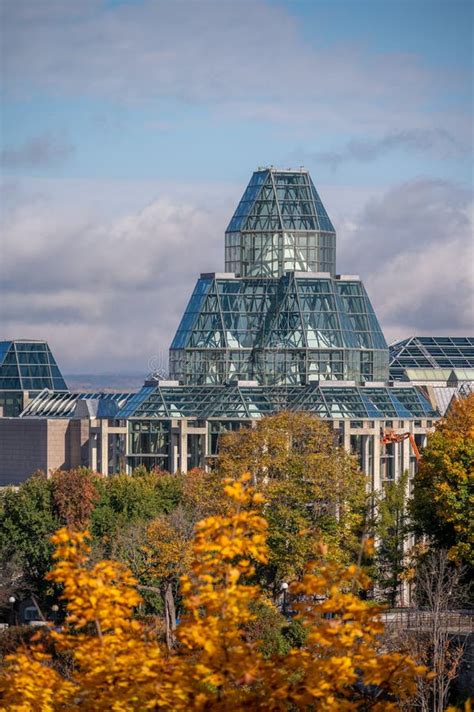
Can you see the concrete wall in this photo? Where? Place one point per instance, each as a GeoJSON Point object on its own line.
{"type": "Point", "coordinates": [31, 444]}
{"type": "Point", "coordinates": [23, 449]}
{"type": "Point", "coordinates": [77, 444]}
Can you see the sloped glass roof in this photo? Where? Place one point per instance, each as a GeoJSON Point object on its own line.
{"type": "Point", "coordinates": [244, 327]}
{"type": "Point", "coordinates": [431, 352]}
{"type": "Point", "coordinates": [29, 366]}
{"type": "Point", "coordinates": [280, 200]}
{"type": "Point", "coordinates": [249, 402]}
{"type": "Point", "coordinates": [280, 224]}
{"type": "Point", "coordinates": [48, 404]}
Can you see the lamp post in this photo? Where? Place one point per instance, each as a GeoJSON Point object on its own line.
{"type": "Point", "coordinates": [284, 594]}
{"type": "Point", "coordinates": [54, 611]}
{"type": "Point", "coordinates": [12, 601]}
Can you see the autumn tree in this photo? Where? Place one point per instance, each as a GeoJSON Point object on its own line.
{"type": "Point", "coordinates": [158, 551]}
{"type": "Point", "coordinates": [202, 494]}
{"type": "Point", "coordinates": [313, 488]}
{"type": "Point", "coordinates": [119, 665]}
{"type": "Point", "coordinates": [166, 557]}
{"type": "Point", "coordinates": [74, 494]}
{"type": "Point", "coordinates": [443, 493]}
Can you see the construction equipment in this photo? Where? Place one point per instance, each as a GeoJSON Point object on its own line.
{"type": "Point", "coordinates": [390, 436]}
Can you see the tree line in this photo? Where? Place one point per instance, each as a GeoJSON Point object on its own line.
{"type": "Point", "coordinates": [313, 495]}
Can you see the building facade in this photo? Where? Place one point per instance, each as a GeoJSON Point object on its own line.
{"type": "Point", "coordinates": [279, 329]}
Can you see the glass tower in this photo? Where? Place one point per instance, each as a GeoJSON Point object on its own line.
{"type": "Point", "coordinates": [279, 315]}
{"type": "Point", "coordinates": [280, 224]}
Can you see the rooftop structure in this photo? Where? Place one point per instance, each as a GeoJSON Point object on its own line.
{"type": "Point", "coordinates": [49, 404]}
{"type": "Point", "coordinates": [249, 401]}
{"type": "Point", "coordinates": [281, 317]}
{"type": "Point", "coordinates": [280, 225]}
{"type": "Point", "coordinates": [26, 367]}
{"type": "Point", "coordinates": [431, 352]}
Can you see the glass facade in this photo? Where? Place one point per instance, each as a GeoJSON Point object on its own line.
{"type": "Point", "coordinates": [234, 403]}
{"type": "Point", "coordinates": [280, 225]}
{"type": "Point", "coordinates": [26, 366]}
{"type": "Point", "coordinates": [279, 315]}
{"type": "Point", "coordinates": [291, 330]}
{"type": "Point", "coordinates": [431, 352]}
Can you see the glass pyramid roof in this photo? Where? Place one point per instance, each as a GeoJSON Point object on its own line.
{"type": "Point", "coordinates": [280, 200]}
{"type": "Point", "coordinates": [29, 366]}
{"type": "Point", "coordinates": [280, 225]}
{"type": "Point", "coordinates": [287, 330]}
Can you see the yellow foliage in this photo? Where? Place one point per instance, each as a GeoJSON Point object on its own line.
{"type": "Point", "coordinates": [116, 663]}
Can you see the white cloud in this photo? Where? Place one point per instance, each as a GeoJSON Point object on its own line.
{"type": "Point", "coordinates": [413, 247]}
{"type": "Point", "coordinates": [246, 59]}
{"type": "Point", "coordinates": [108, 293]}
{"type": "Point", "coordinates": [104, 292]}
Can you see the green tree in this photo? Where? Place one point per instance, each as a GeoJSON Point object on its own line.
{"type": "Point", "coordinates": [443, 494]}
{"type": "Point", "coordinates": [27, 521]}
{"type": "Point", "coordinates": [125, 500]}
{"type": "Point", "coordinates": [313, 489]}
{"type": "Point", "coordinates": [157, 550]}
{"type": "Point", "coordinates": [112, 506]}
{"type": "Point", "coordinates": [391, 529]}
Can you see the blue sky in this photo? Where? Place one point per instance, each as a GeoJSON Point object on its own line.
{"type": "Point", "coordinates": [130, 129]}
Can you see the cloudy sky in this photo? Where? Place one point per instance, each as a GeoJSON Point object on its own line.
{"type": "Point", "coordinates": [131, 127]}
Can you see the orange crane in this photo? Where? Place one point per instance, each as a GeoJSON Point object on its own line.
{"type": "Point", "coordinates": [389, 436]}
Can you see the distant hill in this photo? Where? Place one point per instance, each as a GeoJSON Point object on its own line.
{"type": "Point", "coordinates": [108, 382]}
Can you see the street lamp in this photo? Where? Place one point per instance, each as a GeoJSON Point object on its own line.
{"type": "Point", "coordinates": [284, 592]}
{"type": "Point", "coordinates": [54, 611]}
{"type": "Point", "coordinates": [12, 601]}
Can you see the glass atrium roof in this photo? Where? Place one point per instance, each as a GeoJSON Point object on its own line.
{"type": "Point", "coordinates": [431, 352]}
{"type": "Point", "coordinates": [294, 329]}
{"type": "Point", "coordinates": [280, 224]}
{"type": "Point", "coordinates": [295, 311]}
{"type": "Point", "coordinates": [63, 405]}
{"type": "Point", "coordinates": [29, 366]}
{"type": "Point", "coordinates": [443, 395]}
{"type": "Point", "coordinates": [249, 402]}
{"type": "Point", "coordinates": [280, 200]}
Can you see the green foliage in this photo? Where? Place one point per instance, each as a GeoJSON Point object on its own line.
{"type": "Point", "coordinates": [33, 511]}
{"type": "Point", "coordinates": [391, 530]}
{"type": "Point", "coordinates": [313, 489]}
{"type": "Point", "coordinates": [272, 632]}
{"type": "Point", "coordinates": [267, 630]}
{"type": "Point", "coordinates": [443, 495]}
{"type": "Point", "coordinates": [127, 500]}
{"type": "Point", "coordinates": [27, 521]}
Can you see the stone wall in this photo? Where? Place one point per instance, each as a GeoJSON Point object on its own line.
{"type": "Point", "coordinates": [31, 444]}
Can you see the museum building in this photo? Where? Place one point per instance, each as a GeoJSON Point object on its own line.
{"type": "Point", "coordinates": [278, 329]}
